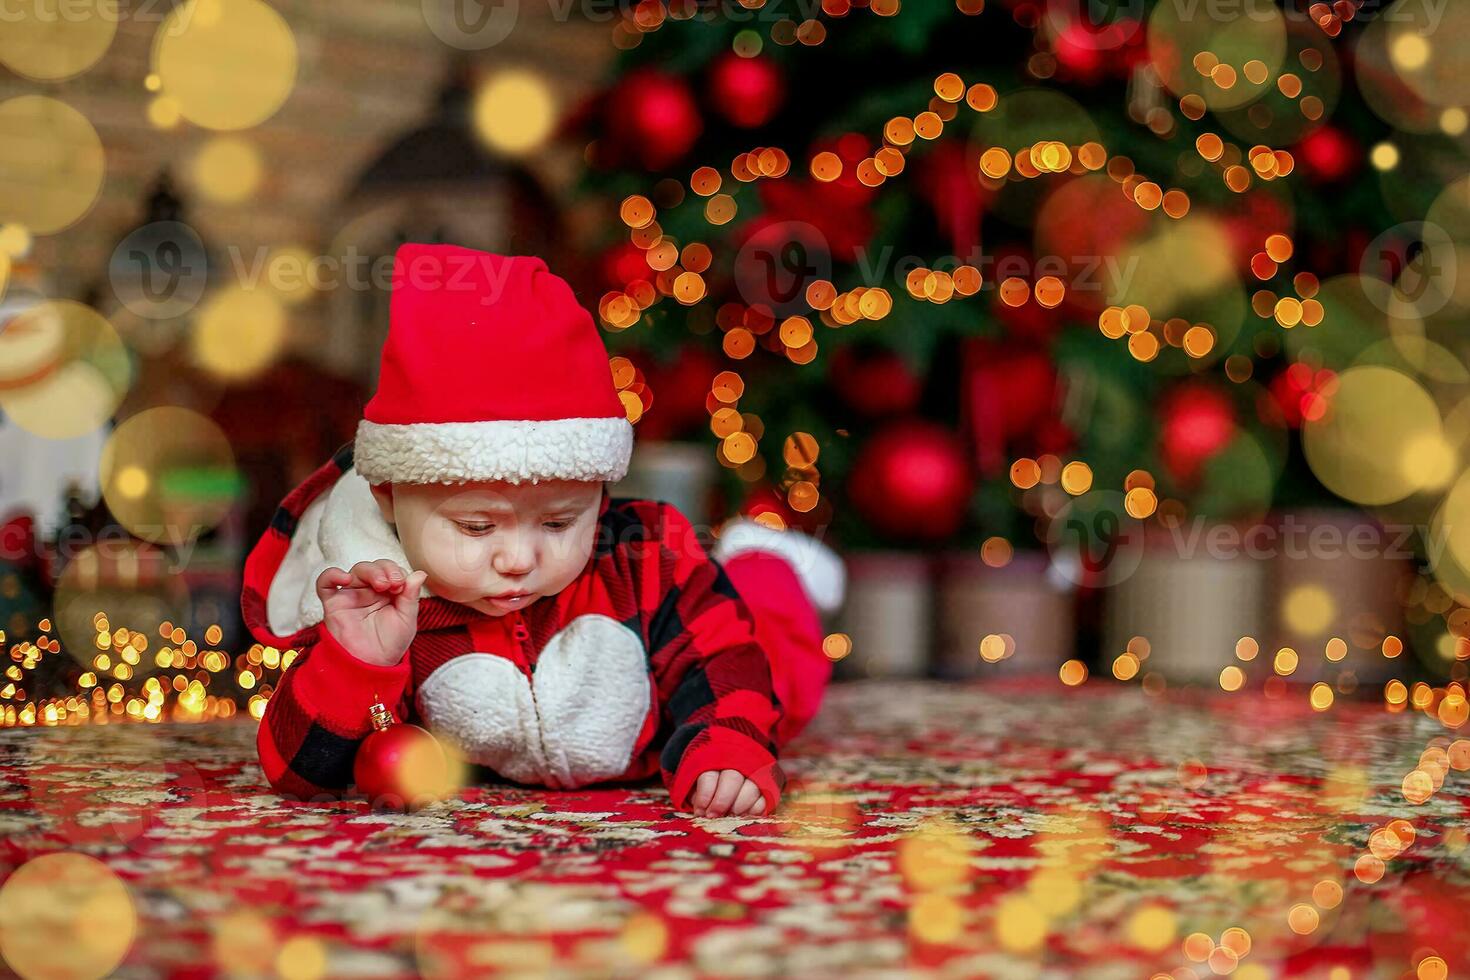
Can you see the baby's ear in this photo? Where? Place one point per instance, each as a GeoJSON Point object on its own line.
{"type": "Point", "coordinates": [383, 494]}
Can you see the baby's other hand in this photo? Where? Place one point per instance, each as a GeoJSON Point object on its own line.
{"type": "Point", "coordinates": [725, 792]}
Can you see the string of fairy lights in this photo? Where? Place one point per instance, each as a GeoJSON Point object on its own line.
{"type": "Point", "coordinates": [122, 681]}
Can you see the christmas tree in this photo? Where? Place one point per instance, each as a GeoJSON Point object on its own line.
{"type": "Point", "coordinates": [934, 273]}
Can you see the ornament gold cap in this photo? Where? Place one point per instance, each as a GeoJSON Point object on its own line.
{"type": "Point", "coordinates": [379, 713]}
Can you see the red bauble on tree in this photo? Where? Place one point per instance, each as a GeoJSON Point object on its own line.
{"type": "Point", "coordinates": [746, 91]}
{"type": "Point", "coordinates": [652, 118]}
{"type": "Point", "coordinates": [1329, 154]}
{"type": "Point", "coordinates": [624, 263]}
{"type": "Point", "coordinates": [1197, 422]}
{"type": "Point", "coordinates": [1007, 392]}
{"type": "Point", "coordinates": [912, 481]}
{"type": "Point", "coordinates": [399, 766]}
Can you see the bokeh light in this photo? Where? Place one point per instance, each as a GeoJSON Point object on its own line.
{"type": "Point", "coordinates": [225, 64]}
{"type": "Point", "coordinates": [51, 40]}
{"type": "Point", "coordinates": [52, 167]}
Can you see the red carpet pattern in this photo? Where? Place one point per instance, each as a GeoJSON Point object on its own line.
{"type": "Point", "coordinates": [929, 830]}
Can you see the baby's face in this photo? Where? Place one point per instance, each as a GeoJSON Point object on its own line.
{"type": "Point", "coordinates": [483, 542]}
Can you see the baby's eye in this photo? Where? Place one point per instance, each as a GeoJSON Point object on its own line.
{"type": "Point", "coordinates": [557, 525]}
{"type": "Point", "coordinates": [473, 528]}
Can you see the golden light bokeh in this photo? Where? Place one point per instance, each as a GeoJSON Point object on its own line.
{"type": "Point", "coordinates": [1073, 673]}
{"type": "Point", "coordinates": [225, 64]}
{"type": "Point", "coordinates": [936, 856]}
{"type": "Point", "coordinates": [1181, 269]}
{"type": "Point", "coordinates": [514, 111]}
{"type": "Point", "coordinates": [1152, 928]}
{"type": "Point", "coordinates": [836, 646]}
{"type": "Point", "coordinates": [644, 937]}
{"type": "Point", "coordinates": [1020, 925]}
{"type": "Point", "coordinates": [1199, 55]}
{"type": "Point", "coordinates": [65, 915]}
{"type": "Point", "coordinates": [52, 166]}
{"type": "Point", "coordinates": [226, 169]}
{"type": "Point", "coordinates": [936, 918]}
{"type": "Point", "coordinates": [1357, 449]}
{"type": "Point", "coordinates": [244, 942]}
{"type": "Point", "coordinates": [1321, 696]}
{"type": "Point", "coordinates": [51, 40]}
{"type": "Point", "coordinates": [239, 332]}
{"type": "Point", "coordinates": [1430, 50]}
{"type": "Point", "coordinates": [1308, 609]}
{"type": "Point", "coordinates": [301, 958]}
{"type": "Point", "coordinates": [1303, 919]}
{"type": "Point", "coordinates": [168, 475]}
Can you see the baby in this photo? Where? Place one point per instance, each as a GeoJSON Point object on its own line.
{"type": "Point", "coordinates": [463, 562]}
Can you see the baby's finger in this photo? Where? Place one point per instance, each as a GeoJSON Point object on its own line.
{"type": "Point", "coordinates": [747, 798]}
{"type": "Point", "coordinates": [725, 792]}
{"type": "Point", "coordinates": [369, 574]}
{"type": "Point", "coordinates": [704, 790]}
{"type": "Point", "coordinates": [407, 596]}
{"type": "Point", "coordinates": [760, 807]}
{"type": "Point", "coordinates": [330, 579]}
{"type": "Point", "coordinates": [391, 577]}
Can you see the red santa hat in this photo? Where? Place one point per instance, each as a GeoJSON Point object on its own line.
{"type": "Point", "coordinates": [491, 371]}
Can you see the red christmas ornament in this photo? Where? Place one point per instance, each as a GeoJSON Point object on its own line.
{"type": "Point", "coordinates": [949, 181]}
{"type": "Point", "coordinates": [746, 91]}
{"type": "Point", "coordinates": [1007, 393]}
{"type": "Point", "coordinates": [625, 263]}
{"type": "Point", "coordinates": [1198, 422]}
{"type": "Point", "coordinates": [652, 117]}
{"type": "Point", "coordinates": [912, 481]}
{"type": "Point", "coordinates": [838, 210]}
{"type": "Point", "coordinates": [1329, 154]}
{"type": "Point", "coordinates": [1080, 52]}
{"type": "Point", "coordinates": [399, 766]}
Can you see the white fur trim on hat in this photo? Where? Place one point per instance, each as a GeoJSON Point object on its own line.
{"type": "Point", "coordinates": [817, 567]}
{"type": "Point", "coordinates": [512, 451]}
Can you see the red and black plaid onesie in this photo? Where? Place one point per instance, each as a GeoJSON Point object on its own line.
{"type": "Point", "coordinates": [650, 660]}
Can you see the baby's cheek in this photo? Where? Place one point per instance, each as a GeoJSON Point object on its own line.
{"type": "Point", "coordinates": [458, 560]}
{"type": "Point", "coordinates": [568, 555]}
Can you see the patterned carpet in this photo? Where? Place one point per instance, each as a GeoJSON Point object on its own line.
{"type": "Point", "coordinates": [931, 830]}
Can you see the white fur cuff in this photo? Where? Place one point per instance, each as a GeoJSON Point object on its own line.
{"type": "Point", "coordinates": [817, 567]}
{"type": "Point", "coordinates": [591, 449]}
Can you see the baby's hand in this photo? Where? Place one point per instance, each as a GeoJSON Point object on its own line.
{"type": "Point", "coordinates": [373, 610]}
{"type": "Point", "coordinates": [725, 791]}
